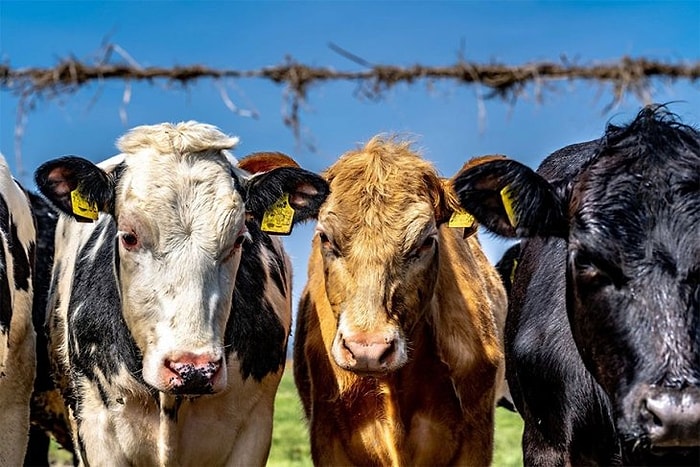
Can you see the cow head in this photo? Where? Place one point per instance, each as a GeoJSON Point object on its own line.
{"type": "Point", "coordinates": [180, 208]}
{"type": "Point", "coordinates": [631, 219]}
{"type": "Point", "coordinates": [378, 239]}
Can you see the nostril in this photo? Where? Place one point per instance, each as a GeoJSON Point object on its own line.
{"type": "Point", "coordinates": [348, 348]}
{"type": "Point", "coordinates": [648, 414]}
{"type": "Point", "coordinates": [386, 355]}
{"type": "Point", "coordinates": [672, 417]}
{"type": "Point", "coordinates": [188, 369]}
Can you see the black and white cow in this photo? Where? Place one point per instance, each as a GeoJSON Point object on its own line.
{"type": "Point", "coordinates": [603, 331]}
{"type": "Point", "coordinates": [160, 359]}
{"type": "Point", "coordinates": [17, 337]}
{"type": "Point", "coordinates": [47, 414]}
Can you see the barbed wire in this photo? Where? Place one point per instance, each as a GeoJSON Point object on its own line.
{"type": "Point", "coordinates": [626, 76]}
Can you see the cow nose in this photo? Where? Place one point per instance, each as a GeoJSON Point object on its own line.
{"type": "Point", "coordinates": [192, 374]}
{"type": "Point", "coordinates": [672, 417]}
{"type": "Point", "coordinates": [370, 352]}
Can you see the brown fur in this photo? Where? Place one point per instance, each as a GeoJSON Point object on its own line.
{"type": "Point", "coordinates": [259, 162]}
{"type": "Point", "coordinates": [437, 408]}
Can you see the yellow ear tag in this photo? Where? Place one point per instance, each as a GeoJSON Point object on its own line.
{"type": "Point", "coordinates": [82, 207]}
{"type": "Point", "coordinates": [507, 198]}
{"type": "Point", "coordinates": [278, 218]}
{"type": "Point", "coordinates": [461, 219]}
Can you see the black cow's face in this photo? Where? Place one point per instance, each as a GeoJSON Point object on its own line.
{"type": "Point", "coordinates": [631, 217]}
{"type": "Point", "coordinates": [633, 290]}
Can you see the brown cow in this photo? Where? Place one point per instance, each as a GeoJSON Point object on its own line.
{"type": "Point", "coordinates": [397, 351]}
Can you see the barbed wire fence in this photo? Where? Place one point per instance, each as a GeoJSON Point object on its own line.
{"type": "Point", "coordinates": [626, 76]}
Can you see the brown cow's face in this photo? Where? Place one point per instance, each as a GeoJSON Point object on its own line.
{"type": "Point", "coordinates": [379, 242]}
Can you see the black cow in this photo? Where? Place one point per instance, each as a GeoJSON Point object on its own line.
{"type": "Point", "coordinates": [612, 241]}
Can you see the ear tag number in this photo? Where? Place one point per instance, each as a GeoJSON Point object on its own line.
{"type": "Point", "coordinates": [82, 207]}
{"type": "Point", "coordinates": [507, 198]}
{"type": "Point", "coordinates": [462, 219]}
{"type": "Point", "coordinates": [278, 218]}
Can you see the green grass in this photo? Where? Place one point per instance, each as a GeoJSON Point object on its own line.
{"type": "Point", "coordinates": [290, 437]}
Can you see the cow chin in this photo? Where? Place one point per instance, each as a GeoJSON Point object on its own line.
{"type": "Point", "coordinates": [186, 374]}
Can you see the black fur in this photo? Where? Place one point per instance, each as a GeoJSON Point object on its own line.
{"type": "Point", "coordinates": [5, 297]}
{"type": "Point", "coordinates": [608, 314]}
{"type": "Point", "coordinates": [253, 330]}
{"type": "Point", "coordinates": [100, 324]}
{"type": "Point", "coordinates": [46, 218]}
{"type": "Point", "coordinates": [58, 177]}
{"type": "Point", "coordinates": [265, 189]}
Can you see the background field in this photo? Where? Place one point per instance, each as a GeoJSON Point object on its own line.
{"type": "Point", "coordinates": [290, 444]}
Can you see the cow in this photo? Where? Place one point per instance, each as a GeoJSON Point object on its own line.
{"type": "Point", "coordinates": [47, 415]}
{"type": "Point", "coordinates": [170, 304]}
{"type": "Point", "coordinates": [397, 348]}
{"type": "Point", "coordinates": [17, 336]}
{"type": "Point", "coordinates": [602, 337]}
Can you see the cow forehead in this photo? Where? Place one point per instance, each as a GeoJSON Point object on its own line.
{"type": "Point", "coordinates": [190, 193]}
{"type": "Point", "coordinates": [383, 192]}
{"type": "Point", "coordinates": [640, 209]}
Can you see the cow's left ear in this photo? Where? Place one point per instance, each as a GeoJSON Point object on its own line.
{"type": "Point", "coordinates": [510, 199]}
{"type": "Point", "coordinates": [448, 210]}
{"type": "Point", "coordinates": [76, 186]}
{"type": "Point", "coordinates": [284, 196]}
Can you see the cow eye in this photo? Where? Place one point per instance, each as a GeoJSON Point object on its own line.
{"type": "Point", "coordinates": [327, 244]}
{"type": "Point", "coordinates": [239, 241]}
{"type": "Point", "coordinates": [424, 247]}
{"type": "Point", "coordinates": [596, 271]}
{"type": "Point", "coordinates": [235, 248]}
{"type": "Point", "coordinates": [427, 245]}
{"type": "Point", "coordinates": [129, 240]}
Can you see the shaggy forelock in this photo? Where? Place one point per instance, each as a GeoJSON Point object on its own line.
{"type": "Point", "coordinates": [377, 184]}
{"type": "Point", "coordinates": [168, 138]}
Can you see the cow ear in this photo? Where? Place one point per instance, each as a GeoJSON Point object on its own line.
{"type": "Point", "coordinates": [448, 210]}
{"type": "Point", "coordinates": [76, 186]}
{"type": "Point", "coordinates": [272, 194]}
{"type": "Point", "coordinates": [509, 198]}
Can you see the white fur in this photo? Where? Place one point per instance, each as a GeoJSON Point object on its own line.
{"type": "Point", "coordinates": [17, 349]}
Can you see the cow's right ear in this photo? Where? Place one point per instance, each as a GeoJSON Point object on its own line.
{"type": "Point", "coordinates": [509, 198]}
{"type": "Point", "coordinates": [76, 186]}
{"type": "Point", "coordinates": [271, 195]}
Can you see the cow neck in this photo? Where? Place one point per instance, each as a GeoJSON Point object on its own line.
{"type": "Point", "coordinates": [167, 429]}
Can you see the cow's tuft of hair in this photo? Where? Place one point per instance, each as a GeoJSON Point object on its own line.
{"type": "Point", "coordinates": [179, 138]}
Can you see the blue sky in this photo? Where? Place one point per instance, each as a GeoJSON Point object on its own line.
{"type": "Point", "coordinates": [445, 120]}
